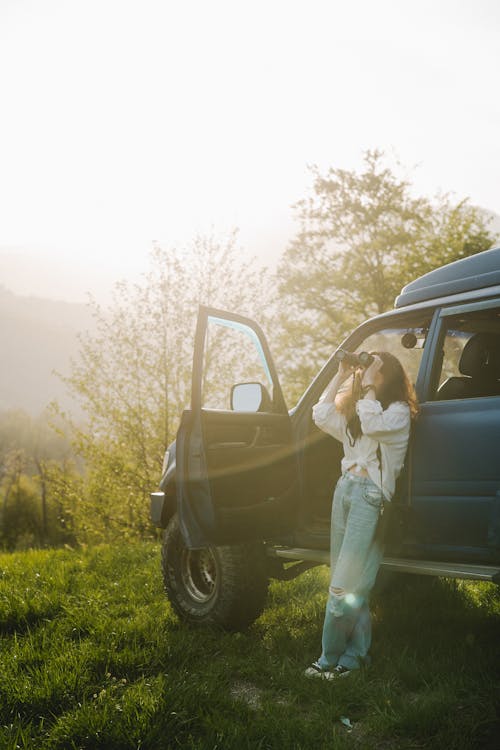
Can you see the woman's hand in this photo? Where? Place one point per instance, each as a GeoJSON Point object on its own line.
{"type": "Point", "coordinates": [340, 376]}
{"type": "Point", "coordinates": [369, 374]}
{"type": "Point", "coordinates": [345, 370]}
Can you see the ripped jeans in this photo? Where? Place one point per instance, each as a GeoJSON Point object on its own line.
{"type": "Point", "coordinates": [355, 557]}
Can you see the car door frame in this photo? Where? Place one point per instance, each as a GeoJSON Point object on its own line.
{"type": "Point", "coordinates": [435, 409]}
{"type": "Point", "coordinates": [199, 523]}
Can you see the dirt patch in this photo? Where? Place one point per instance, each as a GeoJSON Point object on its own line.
{"type": "Point", "coordinates": [252, 695]}
{"type": "Point", "coordinates": [248, 693]}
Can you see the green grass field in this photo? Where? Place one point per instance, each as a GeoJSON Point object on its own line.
{"type": "Point", "coordinates": [91, 656]}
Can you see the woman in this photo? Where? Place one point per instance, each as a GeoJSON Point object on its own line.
{"type": "Point", "coordinates": [372, 420]}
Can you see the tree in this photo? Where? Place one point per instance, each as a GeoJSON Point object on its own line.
{"type": "Point", "coordinates": [361, 237]}
{"type": "Point", "coordinates": [31, 453]}
{"type": "Point", "coordinates": [133, 377]}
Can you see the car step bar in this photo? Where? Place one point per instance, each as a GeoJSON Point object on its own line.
{"type": "Point", "coordinates": [419, 567]}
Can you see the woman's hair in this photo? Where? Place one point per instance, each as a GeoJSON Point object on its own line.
{"type": "Point", "coordinates": [396, 386]}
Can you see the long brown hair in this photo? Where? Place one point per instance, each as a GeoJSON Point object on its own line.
{"type": "Point", "coordinates": [396, 386]}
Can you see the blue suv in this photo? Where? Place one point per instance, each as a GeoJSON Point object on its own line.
{"type": "Point", "coordinates": [247, 486]}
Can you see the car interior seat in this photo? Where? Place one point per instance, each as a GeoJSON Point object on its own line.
{"type": "Point", "coordinates": [479, 366]}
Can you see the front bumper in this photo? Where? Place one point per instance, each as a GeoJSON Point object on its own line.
{"type": "Point", "coordinates": [157, 504]}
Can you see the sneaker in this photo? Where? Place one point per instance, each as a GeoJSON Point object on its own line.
{"type": "Point", "coordinates": [340, 671]}
{"type": "Point", "coordinates": [315, 670]}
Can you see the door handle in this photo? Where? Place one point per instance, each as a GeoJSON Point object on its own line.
{"type": "Point", "coordinates": [229, 444]}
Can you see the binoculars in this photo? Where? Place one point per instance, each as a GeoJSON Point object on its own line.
{"type": "Point", "coordinates": [363, 359]}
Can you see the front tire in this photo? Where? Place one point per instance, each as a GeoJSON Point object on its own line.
{"type": "Point", "coordinates": [224, 586]}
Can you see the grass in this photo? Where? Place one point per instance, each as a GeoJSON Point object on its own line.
{"type": "Point", "coordinates": [91, 656]}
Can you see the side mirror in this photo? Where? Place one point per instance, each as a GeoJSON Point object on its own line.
{"type": "Point", "coordinates": [250, 397]}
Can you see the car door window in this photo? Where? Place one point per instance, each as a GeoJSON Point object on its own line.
{"type": "Point", "coordinates": [470, 351]}
{"type": "Point", "coordinates": [233, 354]}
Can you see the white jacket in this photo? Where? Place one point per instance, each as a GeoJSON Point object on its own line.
{"type": "Point", "coordinates": [389, 428]}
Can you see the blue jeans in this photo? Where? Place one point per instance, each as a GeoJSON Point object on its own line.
{"type": "Point", "coordinates": [355, 556]}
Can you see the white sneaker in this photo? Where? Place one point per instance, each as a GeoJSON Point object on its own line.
{"type": "Point", "coordinates": [315, 670]}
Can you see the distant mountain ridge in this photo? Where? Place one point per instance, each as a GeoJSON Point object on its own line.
{"type": "Point", "coordinates": [37, 337]}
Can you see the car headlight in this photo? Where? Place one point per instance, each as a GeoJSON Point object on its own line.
{"type": "Point", "coordinates": [165, 462]}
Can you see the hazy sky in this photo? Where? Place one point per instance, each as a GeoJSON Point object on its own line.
{"type": "Point", "coordinates": [128, 121]}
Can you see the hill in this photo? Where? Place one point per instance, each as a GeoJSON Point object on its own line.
{"type": "Point", "coordinates": [37, 337]}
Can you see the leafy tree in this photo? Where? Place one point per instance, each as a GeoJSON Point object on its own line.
{"type": "Point", "coordinates": [21, 514]}
{"type": "Point", "coordinates": [361, 237]}
{"type": "Point", "coordinates": [30, 452]}
{"type": "Point", "coordinates": [133, 376]}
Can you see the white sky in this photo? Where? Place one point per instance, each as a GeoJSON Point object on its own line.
{"type": "Point", "coordinates": [128, 121]}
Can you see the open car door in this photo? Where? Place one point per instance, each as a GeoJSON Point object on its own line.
{"type": "Point", "coordinates": [237, 475]}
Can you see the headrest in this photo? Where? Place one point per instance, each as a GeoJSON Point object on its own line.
{"type": "Point", "coordinates": [481, 356]}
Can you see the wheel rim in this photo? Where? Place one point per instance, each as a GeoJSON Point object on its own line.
{"type": "Point", "coordinates": [199, 573]}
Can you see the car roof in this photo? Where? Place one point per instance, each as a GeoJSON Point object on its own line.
{"type": "Point", "coordinates": [473, 274]}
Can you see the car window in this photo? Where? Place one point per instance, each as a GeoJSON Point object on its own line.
{"type": "Point", "coordinates": [404, 342]}
{"type": "Point", "coordinates": [233, 354]}
{"type": "Point", "coordinates": [470, 366]}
